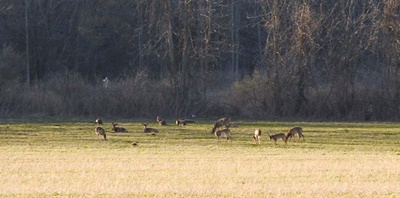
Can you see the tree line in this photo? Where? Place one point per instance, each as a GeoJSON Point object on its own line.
{"type": "Point", "coordinates": [259, 58]}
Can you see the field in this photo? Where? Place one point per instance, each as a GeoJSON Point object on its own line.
{"type": "Point", "coordinates": [53, 158]}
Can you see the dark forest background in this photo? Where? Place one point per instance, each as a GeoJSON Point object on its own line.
{"type": "Point", "coordinates": [312, 59]}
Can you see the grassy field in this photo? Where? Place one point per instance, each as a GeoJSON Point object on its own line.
{"type": "Point", "coordinates": [52, 158]}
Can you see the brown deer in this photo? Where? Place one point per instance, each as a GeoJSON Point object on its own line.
{"type": "Point", "coordinates": [183, 122]}
{"type": "Point", "coordinates": [118, 129]}
{"type": "Point", "coordinates": [98, 122]}
{"type": "Point", "coordinates": [100, 131]}
{"type": "Point", "coordinates": [293, 131]}
{"type": "Point", "coordinates": [149, 130]}
{"type": "Point", "coordinates": [180, 122]}
{"type": "Point", "coordinates": [278, 136]}
{"type": "Point", "coordinates": [257, 136]}
{"type": "Point", "coordinates": [220, 123]}
{"type": "Point", "coordinates": [160, 121]}
{"type": "Point", "coordinates": [225, 132]}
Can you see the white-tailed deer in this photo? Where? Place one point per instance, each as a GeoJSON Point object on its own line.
{"type": "Point", "coordinates": [149, 130]}
{"type": "Point", "coordinates": [160, 121]}
{"type": "Point", "coordinates": [225, 132]}
{"type": "Point", "coordinates": [220, 123]}
{"type": "Point", "coordinates": [180, 122]}
{"type": "Point", "coordinates": [183, 122]}
{"type": "Point", "coordinates": [293, 131]}
{"type": "Point", "coordinates": [100, 131]}
{"type": "Point", "coordinates": [98, 122]}
{"type": "Point", "coordinates": [257, 136]}
{"type": "Point", "coordinates": [278, 136]}
{"type": "Point", "coordinates": [118, 129]}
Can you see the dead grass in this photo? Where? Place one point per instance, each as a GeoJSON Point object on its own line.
{"type": "Point", "coordinates": [66, 159]}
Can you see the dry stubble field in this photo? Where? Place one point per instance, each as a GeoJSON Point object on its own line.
{"type": "Point", "coordinates": [65, 159]}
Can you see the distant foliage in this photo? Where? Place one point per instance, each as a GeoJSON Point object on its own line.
{"type": "Point", "coordinates": [11, 66]}
{"type": "Point", "coordinates": [308, 59]}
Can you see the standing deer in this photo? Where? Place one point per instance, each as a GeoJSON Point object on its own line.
{"type": "Point", "coordinates": [278, 136]}
{"type": "Point", "coordinates": [293, 131]}
{"type": "Point", "coordinates": [100, 131]}
{"type": "Point", "coordinates": [98, 122]}
{"type": "Point", "coordinates": [225, 132]}
{"type": "Point", "coordinates": [149, 130]}
{"type": "Point", "coordinates": [220, 123]}
{"type": "Point", "coordinates": [257, 136]}
{"type": "Point", "coordinates": [160, 121]}
{"type": "Point", "coordinates": [118, 129]}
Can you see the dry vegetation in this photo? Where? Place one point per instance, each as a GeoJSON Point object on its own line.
{"type": "Point", "coordinates": [46, 159]}
{"type": "Point", "coordinates": [336, 60]}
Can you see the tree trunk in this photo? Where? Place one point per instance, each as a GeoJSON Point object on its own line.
{"type": "Point", "coordinates": [28, 79]}
{"type": "Point", "coordinates": [235, 17]}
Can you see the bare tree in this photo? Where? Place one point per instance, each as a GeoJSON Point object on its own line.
{"type": "Point", "coordinates": [27, 43]}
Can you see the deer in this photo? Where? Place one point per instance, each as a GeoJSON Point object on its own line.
{"type": "Point", "coordinates": [118, 129]}
{"type": "Point", "coordinates": [100, 131]}
{"type": "Point", "coordinates": [220, 123]}
{"type": "Point", "coordinates": [224, 132]}
{"type": "Point", "coordinates": [183, 122]}
{"type": "Point", "coordinates": [149, 130]}
{"type": "Point", "coordinates": [278, 136]}
{"type": "Point", "coordinates": [160, 121]}
{"type": "Point", "coordinates": [98, 122]}
{"type": "Point", "coordinates": [293, 131]}
{"type": "Point", "coordinates": [257, 136]}
{"type": "Point", "coordinates": [180, 122]}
